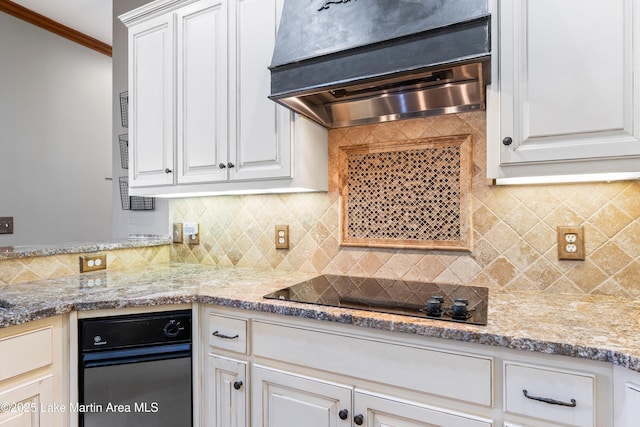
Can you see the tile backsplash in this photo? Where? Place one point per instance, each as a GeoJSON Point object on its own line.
{"type": "Point", "coordinates": [514, 227]}
{"type": "Point", "coordinates": [29, 269]}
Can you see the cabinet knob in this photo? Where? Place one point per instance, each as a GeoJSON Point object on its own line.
{"type": "Point", "coordinates": [167, 170]}
{"type": "Point", "coordinates": [222, 166]}
{"type": "Point", "coordinates": [507, 140]}
{"type": "Point", "coordinates": [237, 385]}
{"type": "Point", "coordinates": [358, 419]}
{"type": "Point", "coordinates": [343, 414]}
{"type": "Point", "coordinates": [230, 165]}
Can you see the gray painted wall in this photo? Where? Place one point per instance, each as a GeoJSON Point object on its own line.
{"type": "Point", "coordinates": [55, 137]}
{"type": "Point", "coordinates": [128, 222]}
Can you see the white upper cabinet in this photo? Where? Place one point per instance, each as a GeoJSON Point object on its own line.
{"type": "Point", "coordinates": [202, 92]}
{"type": "Point", "coordinates": [565, 92]}
{"type": "Point", "coordinates": [261, 136]}
{"type": "Point", "coordinates": [209, 127]}
{"type": "Point", "coordinates": [150, 102]}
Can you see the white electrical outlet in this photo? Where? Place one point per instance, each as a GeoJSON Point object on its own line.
{"type": "Point", "coordinates": [570, 238]}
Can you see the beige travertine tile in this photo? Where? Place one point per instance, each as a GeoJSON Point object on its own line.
{"type": "Point", "coordinates": [610, 219]}
{"type": "Point", "coordinates": [542, 273]}
{"type": "Point", "coordinates": [586, 276]}
{"type": "Point", "coordinates": [610, 258]}
{"type": "Point", "coordinates": [501, 271]}
{"type": "Point", "coordinates": [628, 279]}
{"type": "Point", "coordinates": [627, 201]}
{"type": "Point", "coordinates": [501, 236]}
{"type": "Point", "coordinates": [514, 227]}
{"type": "Point", "coordinates": [521, 255]}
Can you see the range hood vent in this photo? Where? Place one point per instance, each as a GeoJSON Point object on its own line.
{"type": "Point", "coordinates": [351, 62]}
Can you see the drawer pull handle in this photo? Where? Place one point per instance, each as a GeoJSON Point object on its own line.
{"type": "Point", "coordinates": [550, 401]}
{"type": "Point", "coordinates": [225, 337]}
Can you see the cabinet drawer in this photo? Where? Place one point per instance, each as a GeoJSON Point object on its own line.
{"type": "Point", "coordinates": [554, 385]}
{"type": "Point", "coordinates": [228, 333]}
{"type": "Point", "coordinates": [442, 373]}
{"type": "Point", "coordinates": [25, 352]}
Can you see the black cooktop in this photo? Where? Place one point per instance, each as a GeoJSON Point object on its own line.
{"type": "Point", "coordinates": [455, 303]}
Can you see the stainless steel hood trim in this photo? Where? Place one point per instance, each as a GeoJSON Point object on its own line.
{"type": "Point", "coordinates": [373, 106]}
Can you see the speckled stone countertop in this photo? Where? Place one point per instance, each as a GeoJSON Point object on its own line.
{"type": "Point", "coordinates": [134, 241]}
{"type": "Point", "coordinates": [589, 327]}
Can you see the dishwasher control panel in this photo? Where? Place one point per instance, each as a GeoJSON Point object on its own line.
{"type": "Point", "coordinates": [171, 327]}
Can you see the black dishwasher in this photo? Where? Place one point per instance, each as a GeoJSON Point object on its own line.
{"type": "Point", "coordinates": [135, 370]}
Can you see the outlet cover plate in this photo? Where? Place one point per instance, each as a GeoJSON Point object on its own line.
{"type": "Point", "coordinates": [570, 243]}
{"type": "Point", "coordinates": [282, 237]}
{"type": "Point", "coordinates": [93, 262]}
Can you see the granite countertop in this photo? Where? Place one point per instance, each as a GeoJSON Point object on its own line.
{"type": "Point", "coordinates": [134, 241]}
{"type": "Point", "coordinates": [590, 327]}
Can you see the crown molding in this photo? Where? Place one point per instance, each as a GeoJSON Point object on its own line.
{"type": "Point", "coordinates": [52, 26]}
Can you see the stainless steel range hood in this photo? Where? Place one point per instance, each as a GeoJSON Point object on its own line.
{"type": "Point", "coordinates": [351, 62]}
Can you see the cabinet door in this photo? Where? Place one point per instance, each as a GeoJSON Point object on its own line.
{"type": "Point", "coordinates": [281, 399]}
{"type": "Point", "coordinates": [260, 130]}
{"type": "Point", "coordinates": [565, 82]}
{"type": "Point", "coordinates": [202, 91]}
{"type": "Point", "coordinates": [151, 139]}
{"type": "Point", "coordinates": [377, 410]}
{"type": "Point", "coordinates": [632, 404]}
{"type": "Point", "coordinates": [226, 392]}
{"type": "Point", "coordinates": [29, 405]}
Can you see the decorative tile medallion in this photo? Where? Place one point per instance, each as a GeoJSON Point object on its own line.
{"type": "Point", "coordinates": [409, 194]}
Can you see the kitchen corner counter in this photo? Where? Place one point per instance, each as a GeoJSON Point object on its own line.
{"type": "Point", "coordinates": [134, 241]}
{"type": "Point", "coordinates": [589, 327]}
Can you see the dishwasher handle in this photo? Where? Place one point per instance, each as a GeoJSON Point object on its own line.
{"type": "Point", "coordinates": [135, 355]}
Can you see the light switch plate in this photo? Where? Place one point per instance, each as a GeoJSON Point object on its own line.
{"type": "Point", "coordinates": [6, 225]}
{"type": "Point", "coordinates": [177, 232]}
{"type": "Point", "coordinates": [570, 243]}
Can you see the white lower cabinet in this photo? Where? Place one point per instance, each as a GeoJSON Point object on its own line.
{"type": "Point", "coordinates": [226, 382]}
{"type": "Point", "coordinates": [26, 404]}
{"type": "Point", "coordinates": [626, 397]}
{"type": "Point", "coordinates": [227, 393]}
{"type": "Point", "coordinates": [632, 410]}
{"type": "Point", "coordinates": [302, 372]}
{"type": "Point", "coordinates": [285, 399]}
{"type": "Point", "coordinates": [559, 396]}
{"type": "Point", "coordinates": [33, 386]}
{"type": "Point", "coordinates": [376, 410]}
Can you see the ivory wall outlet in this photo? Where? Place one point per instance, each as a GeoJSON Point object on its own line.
{"type": "Point", "coordinates": [282, 237]}
{"type": "Point", "coordinates": [570, 243]}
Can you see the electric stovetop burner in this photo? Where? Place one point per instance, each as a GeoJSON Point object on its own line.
{"type": "Point", "coordinates": [455, 303]}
